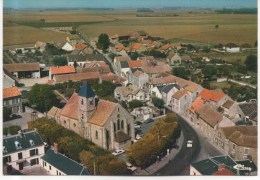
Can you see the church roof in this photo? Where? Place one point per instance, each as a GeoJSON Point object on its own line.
{"type": "Point", "coordinates": [71, 108]}
{"type": "Point", "coordinates": [86, 91]}
{"type": "Point", "coordinates": [103, 111]}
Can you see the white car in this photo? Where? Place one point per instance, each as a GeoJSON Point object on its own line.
{"type": "Point", "coordinates": [118, 152]}
{"type": "Point", "coordinates": [130, 166]}
{"type": "Point", "coordinates": [137, 126]}
{"type": "Point", "coordinates": [189, 143]}
{"type": "Point", "coordinates": [138, 136]}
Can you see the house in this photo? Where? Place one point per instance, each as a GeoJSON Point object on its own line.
{"type": "Point", "coordinates": [40, 46]}
{"type": "Point", "coordinates": [249, 110]}
{"type": "Point", "coordinates": [221, 166]}
{"type": "Point", "coordinates": [209, 120]}
{"type": "Point", "coordinates": [142, 113]}
{"type": "Point", "coordinates": [215, 98]}
{"type": "Point", "coordinates": [60, 70]}
{"type": "Point", "coordinates": [23, 150]}
{"type": "Point", "coordinates": [81, 46]}
{"type": "Point", "coordinates": [231, 48]}
{"type": "Point", "coordinates": [138, 47]}
{"type": "Point", "coordinates": [24, 70]}
{"type": "Point", "coordinates": [66, 46]}
{"type": "Point", "coordinates": [186, 58]}
{"type": "Point", "coordinates": [155, 70]}
{"type": "Point", "coordinates": [232, 110]}
{"type": "Point", "coordinates": [113, 78]}
{"type": "Point", "coordinates": [135, 64]}
{"type": "Point", "coordinates": [80, 59]}
{"type": "Point", "coordinates": [240, 142]}
{"type": "Point", "coordinates": [194, 106]}
{"type": "Point", "coordinates": [168, 91]}
{"type": "Point", "coordinates": [180, 101]}
{"type": "Point", "coordinates": [131, 92]}
{"type": "Point", "coordinates": [9, 80]}
{"type": "Point", "coordinates": [117, 61]}
{"type": "Point", "coordinates": [106, 124]}
{"type": "Point", "coordinates": [59, 164]}
{"type": "Point", "coordinates": [89, 76]}
{"type": "Point", "coordinates": [174, 59]}
{"type": "Point", "coordinates": [123, 68]}
{"type": "Point", "coordinates": [137, 77]}
{"type": "Point", "coordinates": [12, 98]}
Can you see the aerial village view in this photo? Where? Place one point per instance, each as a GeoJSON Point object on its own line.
{"type": "Point", "coordinates": [132, 88]}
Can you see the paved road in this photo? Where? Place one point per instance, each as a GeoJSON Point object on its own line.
{"type": "Point", "coordinates": [26, 117]}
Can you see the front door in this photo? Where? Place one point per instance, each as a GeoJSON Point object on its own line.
{"type": "Point", "coordinates": [21, 166]}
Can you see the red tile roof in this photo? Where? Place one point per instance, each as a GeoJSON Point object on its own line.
{"type": "Point", "coordinates": [196, 104]}
{"type": "Point", "coordinates": [22, 67]}
{"type": "Point", "coordinates": [133, 64]}
{"type": "Point", "coordinates": [80, 46]}
{"type": "Point", "coordinates": [77, 77]}
{"type": "Point", "coordinates": [224, 172]}
{"type": "Point", "coordinates": [103, 111]}
{"type": "Point", "coordinates": [165, 47]}
{"type": "Point", "coordinates": [136, 46]}
{"type": "Point", "coordinates": [210, 95]}
{"type": "Point", "coordinates": [71, 108]}
{"type": "Point", "coordinates": [179, 94]}
{"type": "Point", "coordinates": [11, 92]}
{"type": "Point", "coordinates": [62, 69]}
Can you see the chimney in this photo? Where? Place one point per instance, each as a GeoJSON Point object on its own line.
{"type": "Point", "coordinates": [221, 166]}
{"type": "Point", "coordinates": [55, 147]}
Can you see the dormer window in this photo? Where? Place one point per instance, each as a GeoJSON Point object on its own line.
{"type": "Point", "coordinates": [32, 142]}
{"type": "Point", "coordinates": [18, 145]}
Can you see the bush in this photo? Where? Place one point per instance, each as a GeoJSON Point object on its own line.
{"type": "Point", "coordinates": [158, 102]}
{"type": "Point", "coordinates": [7, 111]}
{"type": "Point", "coordinates": [135, 103]}
{"type": "Point", "coordinates": [59, 61]}
{"type": "Point", "coordinates": [11, 130]}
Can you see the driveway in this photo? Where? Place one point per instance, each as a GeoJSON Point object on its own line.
{"type": "Point", "coordinates": [26, 117]}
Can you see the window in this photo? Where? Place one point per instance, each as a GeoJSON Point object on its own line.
{"type": "Point", "coordinates": [82, 116]}
{"type": "Point", "coordinates": [45, 163]}
{"type": "Point", "coordinates": [234, 146]}
{"type": "Point", "coordinates": [74, 124]}
{"type": "Point", "coordinates": [34, 161]}
{"type": "Point", "coordinates": [122, 124]}
{"type": "Point", "coordinates": [128, 129]}
{"type": "Point", "coordinates": [6, 159]}
{"type": "Point", "coordinates": [246, 151]}
{"type": "Point", "coordinates": [96, 134]}
{"type": "Point", "coordinates": [82, 101]}
{"type": "Point", "coordinates": [20, 155]}
{"type": "Point", "coordinates": [49, 167]}
{"type": "Point", "coordinates": [57, 172]}
{"type": "Point", "coordinates": [64, 122]}
{"type": "Point", "coordinates": [118, 124]}
{"type": "Point", "coordinates": [33, 152]}
{"type": "Point", "coordinates": [114, 127]}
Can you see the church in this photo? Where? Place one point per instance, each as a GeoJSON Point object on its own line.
{"type": "Point", "coordinates": [105, 123]}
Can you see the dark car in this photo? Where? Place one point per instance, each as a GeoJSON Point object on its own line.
{"type": "Point", "coordinates": [148, 121]}
{"type": "Point", "coordinates": [138, 122]}
{"type": "Point", "coordinates": [15, 116]}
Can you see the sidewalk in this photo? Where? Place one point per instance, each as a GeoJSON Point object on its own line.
{"type": "Point", "coordinates": [165, 160]}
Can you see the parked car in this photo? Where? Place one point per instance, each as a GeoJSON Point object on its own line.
{"type": "Point", "coordinates": [139, 136]}
{"type": "Point", "coordinates": [189, 143]}
{"type": "Point", "coordinates": [15, 116]}
{"type": "Point", "coordinates": [138, 122]}
{"type": "Point", "coordinates": [118, 152]}
{"type": "Point", "coordinates": [130, 166]}
{"type": "Point", "coordinates": [147, 121]}
{"type": "Point", "coordinates": [137, 126]}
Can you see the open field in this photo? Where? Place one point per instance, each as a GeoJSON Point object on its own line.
{"type": "Point", "coordinates": [235, 28]}
{"type": "Point", "coordinates": [29, 35]}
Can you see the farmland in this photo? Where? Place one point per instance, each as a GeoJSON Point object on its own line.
{"type": "Point", "coordinates": [24, 27]}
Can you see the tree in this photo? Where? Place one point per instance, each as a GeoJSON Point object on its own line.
{"type": "Point", "coordinates": [59, 61]}
{"type": "Point", "coordinates": [103, 42]}
{"type": "Point", "coordinates": [216, 26]}
{"type": "Point", "coordinates": [181, 72]}
{"type": "Point", "coordinates": [42, 96]}
{"type": "Point", "coordinates": [209, 71]}
{"type": "Point", "coordinates": [11, 130]}
{"type": "Point", "coordinates": [7, 111]}
{"type": "Point", "coordinates": [158, 102]}
{"type": "Point", "coordinates": [170, 117]}
{"type": "Point", "coordinates": [251, 63]}
{"type": "Point", "coordinates": [135, 103]}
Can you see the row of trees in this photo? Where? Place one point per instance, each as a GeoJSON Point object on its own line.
{"type": "Point", "coordinates": [156, 142]}
{"type": "Point", "coordinates": [78, 148]}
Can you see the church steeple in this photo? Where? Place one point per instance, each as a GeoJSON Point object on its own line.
{"type": "Point", "coordinates": [87, 102]}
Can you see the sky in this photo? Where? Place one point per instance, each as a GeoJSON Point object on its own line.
{"type": "Point", "coordinates": [23, 4]}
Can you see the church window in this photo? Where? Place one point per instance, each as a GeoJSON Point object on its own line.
{"type": "Point", "coordinates": [114, 127]}
{"type": "Point", "coordinates": [122, 124]}
{"type": "Point", "coordinates": [74, 125]}
{"type": "Point", "coordinates": [82, 102]}
{"type": "Point", "coordinates": [82, 116]}
{"type": "Point", "coordinates": [128, 129]}
{"type": "Point", "coordinates": [64, 122]}
{"type": "Point", "coordinates": [96, 135]}
{"type": "Point", "coordinates": [118, 124]}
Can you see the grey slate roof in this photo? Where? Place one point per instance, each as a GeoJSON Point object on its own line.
{"type": "Point", "coordinates": [124, 64]}
{"type": "Point", "coordinates": [64, 164]}
{"type": "Point", "coordinates": [76, 57]}
{"type": "Point", "coordinates": [250, 110]}
{"type": "Point", "coordinates": [167, 88]}
{"type": "Point", "coordinates": [24, 141]}
{"type": "Point", "coordinates": [86, 91]}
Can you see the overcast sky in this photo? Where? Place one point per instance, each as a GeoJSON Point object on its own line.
{"type": "Point", "coordinates": [20, 4]}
